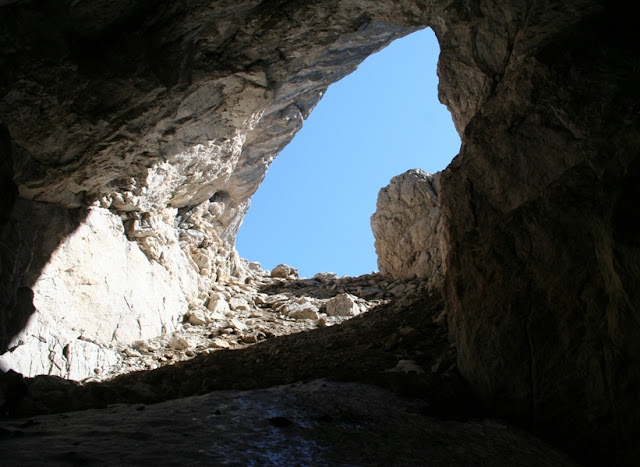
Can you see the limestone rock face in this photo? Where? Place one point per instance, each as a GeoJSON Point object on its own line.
{"type": "Point", "coordinates": [407, 226]}
{"type": "Point", "coordinates": [96, 290]}
{"type": "Point", "coordinates": [165, 131]}
{"type": "Point", "coordinates": [169, 125]}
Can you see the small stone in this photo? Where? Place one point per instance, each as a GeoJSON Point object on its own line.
{"type": "Point", "coordinates": [322, 323]}
{"type": "Point", "coordinates": [178, 343]}
{"type": "Point", "coordinates": [215, 316]}
{"type": "Point", "coordinates": [239, 304]}
{"type": "Point", "coordinates": [325, 276]}
{"type": "Point", "coordinates": [196, 317]}
{"type": "Point", "coordinates": [140, 346]}
{"type": "Point", "coordinates": [406, 366]}
{"type": "Point", "coordinates": [284, 271]}
{"type": "Point", "coordinates": [250, 339]}
{"type": "Point", "coordinates": [261, 299]}
{"type": "Point", "coordinates": [218, 305]}
{"type": "Point", "coordinates": [131, 353]}
{"type": "Point", "coordinates": [304, 313]}
{"type": "Point", "coordinates": [219, 343]}
{"type": "Point", "coordinates": [237, 324]}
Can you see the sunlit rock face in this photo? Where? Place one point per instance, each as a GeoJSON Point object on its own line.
{"type": "Point", "coordinates": [95, 291]}
{"type": "Point", "coordinates": [407, 226]}
{"type": "Point", "coordinates": [146, 128]}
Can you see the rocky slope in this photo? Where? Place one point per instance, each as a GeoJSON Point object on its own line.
{"type": "Point", "coordinates": [240, 314]}
{"type": "Point", "coordinates": [318, 422]}
{"type": "Point", "coordinates": [144, 128]}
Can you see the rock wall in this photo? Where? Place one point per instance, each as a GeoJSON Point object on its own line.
{"type": "Point", "coordinates": [94, 291]}
{"type": "Point", "coordinates": [168, 115]}
{"type": "Point", "coordinates": [407, 226]}
{"type": "Point", "coordinates": [542, 276]}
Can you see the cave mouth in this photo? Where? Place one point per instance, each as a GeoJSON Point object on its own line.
{"type": "Point", "coordinates": [313, 209]}
{"type": "Point", "coordinates": [148, 335]}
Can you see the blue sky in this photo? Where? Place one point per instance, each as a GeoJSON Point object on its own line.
{"type": "Point", "coordinates": [312, 211]}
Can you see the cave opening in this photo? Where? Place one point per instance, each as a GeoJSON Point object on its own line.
{"type": "Point", "coordinates": [377, 121]}
{"type": "Point", "coordinates": [313, 209]}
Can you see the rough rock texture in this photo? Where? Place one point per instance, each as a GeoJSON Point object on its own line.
{"type": "Point", "coordinates": [257, 312]}
{"type": "Point", "coordinates": [542, 284]}
{"type": "Point", "coordinates": [96, 290]}
{"type": "Point", "coordinates": [408, 228]}
{"type": "Point", "coordinates": [315, 423]}
{"type": "Point", "coordinates": [168, 115]}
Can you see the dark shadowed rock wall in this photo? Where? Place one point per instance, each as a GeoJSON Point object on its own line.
{"type": "Point", "coordinates": [543, 266]}
{"type": "Point", "coordinates": [164, 116]}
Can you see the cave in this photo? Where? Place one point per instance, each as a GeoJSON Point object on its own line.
{"type": "Point", "coordinates": [132, 136]}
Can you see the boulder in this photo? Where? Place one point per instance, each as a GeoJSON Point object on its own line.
{"type": "Point", "coordinates": [304, 312]}
{"type": "Point", "coordinates": [178, 343]}
{"type": "Point", "coordinates": [239, 304]}
{"type": "Point", "coordinates": [324, 276]}
{"type": "Point", "coordinates": [218, 305]}
{"type": "Point", "coordinates": [284, 271]}
{"type": "Point", "coordinates": [196, 317]}
{"type": "Point", "coordinates": [343, 305]}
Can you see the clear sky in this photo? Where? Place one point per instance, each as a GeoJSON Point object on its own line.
{"type": "Point", "coordinates": [313, 209]}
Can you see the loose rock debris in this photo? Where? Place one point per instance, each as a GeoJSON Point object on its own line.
{"type": "Point", "coordinates": [239, 314]}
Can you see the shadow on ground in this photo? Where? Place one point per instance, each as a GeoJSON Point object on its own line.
{"type": "Point", "coordinates": [402, 348]}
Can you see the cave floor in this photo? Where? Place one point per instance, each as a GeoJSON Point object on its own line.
{"type": "Point", "coordinates": [381, 388]}
{"type": "Point", "coordinates": [315, 423]}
